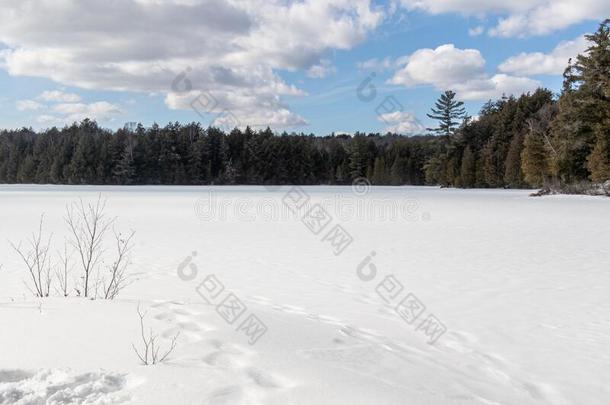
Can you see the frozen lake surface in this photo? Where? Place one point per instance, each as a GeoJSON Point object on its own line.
{"type": "Point", "coordinates": [366, 296]}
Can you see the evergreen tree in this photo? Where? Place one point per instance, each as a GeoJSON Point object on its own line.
{"type": "Point", "coordinates": [449, 112]}
{"type": "Point", "coordinates": [594, 72]}
{"type": "Point", "coordinates": [124, 172]}
{"type": "Point", "coordinates": [598, 161]}
{"type": "Point", "coordinates": [581, 128]}
{"type": "Point", "coordinates": [435, 170]}
{"type": "Point", "coordinates": [468, 169]}
{"type": "Point", "coordinates": [512, 174]}
{"type": "Point", "coordinates": [534, 159]}
{"type": "Point", "coordinates": [379, 172]}
{"type": "Point", "coordinates": [396, 172]}
{"type": "Point", "coordinates": [358, 157]}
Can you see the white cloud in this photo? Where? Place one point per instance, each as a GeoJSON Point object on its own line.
{"type": "Point", "coordinates": [59, 96]}
{"type": "Point", "coordinates": [100, 111]}
{"type": "Point", "coordinates": [550, 16]}
{"type": "Point", "coordinates": [234, 47]}
{"type": "Point", "coordinates": [441, 67]}
{"type": "Point", "coordinates": [50, 120]}
{"type": "Point", "coordinates": [67, 113]}
{"type": "Point", "coordinates": [321, 70]}
{"type": "Point", "coordinates": [495, 87]}
{"type": "Point", "coordinates": [28, 105]}
{"type": "Point", "coordinates": [538, 63]}
{"type": "Point", "coordinates": [65, 108]}
{"type": "Point", "coordinates": [460, 70]}
{"type": "Point", "coordinates": [403, 123]}
{"type": "Point", "coordinates": [256, 106]}
{"type": "Point", "coordinates": [520, 17]}
{"type": "Point", "coordinates": [470, 7]}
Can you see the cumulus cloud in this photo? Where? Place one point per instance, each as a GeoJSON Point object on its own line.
{"type": "Point", "coordinates": [441, 67]}
{"type": "Point", "coordinates": [460, 70]}
{"type": "Point", "coordinates": [470, 7]}
{"type": "Point", "coordinates": [67, 113]}
{"type": "Point", "coordinates": [494, 87]}
{"type": "Point", "coordinates": [520, 17]}
{"type": "Point", "coordinates": [65, 108]}
{"type": "Point", "coordinates": [550, 16]}
{"type": "Point", "coordinates": [403, 123]}
{"type": "Point", "coordinates": [538, 63]}
{"type": "Point", "coordinates": [59, 96]}
{"type": "Point", "coordinates": [321, 70]}
{"type": "Point", "coordinates": [234, 48]}
{"type": "Point", "coordinates": [101, 110]}
{"type": "Point", "coordinates": [28, 105]}
{"type": "Point", "coordinates": [49, 120]}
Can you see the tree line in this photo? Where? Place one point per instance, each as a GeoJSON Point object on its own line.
{"type": "Point", "coordinates": [85, 153]}
{"type": "Point", "coordinates": [535, 140]}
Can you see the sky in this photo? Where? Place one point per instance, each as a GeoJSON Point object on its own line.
{"type": "Point", "coordinates": [312, 66]}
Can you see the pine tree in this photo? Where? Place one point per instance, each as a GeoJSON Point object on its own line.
{"type": "Point", "coordinates": [594, 71]}
{"type": "Point", "coordinates": [598, 161]}
{"type": "Point", "coordinates": [491, 172]}
{"type": "Point", "coordinates": [513, 176]}
{"type": "Point", "coordinates": [435, 170]}
{"type": "Point", "coordinates": [124, 171]}
{"type": "Point", "coordinates": [468, 169]}
{"type": "Point", "coordinates": [380, 176]}
{"type": "Point", "coordinates": [534, 163]}
{"type": "Point", "coordinates": [581, 127]}
{"type": "Point", "coordinates": [396, 172]}
{"type": "Point", "coordinates": [358, 160]}
{"type": "Point", "coordinates": [449, 112]}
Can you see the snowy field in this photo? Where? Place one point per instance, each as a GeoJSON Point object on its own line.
{"type": "Point", "coordinates": [424, 296]}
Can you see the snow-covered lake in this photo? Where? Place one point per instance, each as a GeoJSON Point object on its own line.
{"type": "Point", "coordinates": [408, 295]}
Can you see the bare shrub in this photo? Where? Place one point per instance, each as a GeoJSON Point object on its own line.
{"type": "Point", "coordinates": [118, 276]}
{"type": "Point", "coordinates": [88, 225]}
{"type": "Point", "coordinates": [37, 261]}
{"type": "Point", "coordinates": [63, 271]}
{"type": "Point", "coordinates": [150, 353]}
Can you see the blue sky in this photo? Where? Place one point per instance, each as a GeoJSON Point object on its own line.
{"type": "Point", "coordinates": [295, 65]}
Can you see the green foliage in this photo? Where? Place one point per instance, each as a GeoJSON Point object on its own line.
{"type": "Point", "coordinates": [534, 160]}
{"type": "Point", "coordinates": [581, 129]}
{"type": "Point", "coordinates": [190, 155]}
{"type": "Point", "coordinates": [468, 170]}
{"type": "Point", "coordinates": [487, 151]}
{"type": "Point", "coordinates": [598, 161]}
{"type": "Point", "coordinates": [449, 113]}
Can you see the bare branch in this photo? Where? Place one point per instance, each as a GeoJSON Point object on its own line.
{"type": "Point", "coordinates": [149, 354]}
{"type": "Point", "coordinates": [37, 261]}
{"type": "Point", "coordinates": [88, 226]}
{"type": "Point", "coordinates": [64, 270]}
{"type": "Point", "coordinates": [119, 278]}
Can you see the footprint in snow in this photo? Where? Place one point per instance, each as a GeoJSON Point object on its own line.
{"type": "Point", "coordinates": [61, 386]}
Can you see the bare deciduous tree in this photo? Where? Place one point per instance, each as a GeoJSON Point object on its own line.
{"type": "Point", "coordinates": [150, 353]}
{"type": "Point", "coordinates": [37, 260]}
{"type": "Point", "coordinates": [118, 276]}
{"type": "Point", "coordinates": [88, 225]}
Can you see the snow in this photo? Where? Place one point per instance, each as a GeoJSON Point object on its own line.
{"type": "Point", "coordinates": [519, 287]}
